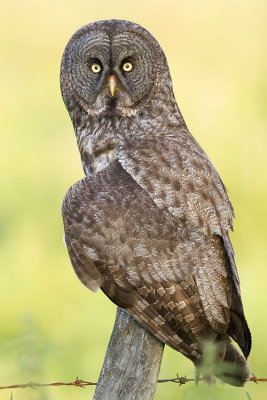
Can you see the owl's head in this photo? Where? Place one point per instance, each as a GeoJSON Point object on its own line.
{"type": "Point", "coordinates": [111, 67]}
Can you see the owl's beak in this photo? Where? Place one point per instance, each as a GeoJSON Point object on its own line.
{"type": "Point", "coordinates": [112, 82]}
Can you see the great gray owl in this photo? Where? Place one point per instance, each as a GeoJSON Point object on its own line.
{"type": "Point", "coordinates": [149, 223]}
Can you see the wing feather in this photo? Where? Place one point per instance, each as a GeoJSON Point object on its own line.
{"type": "Point", "coordinates": [142, 256]}
{"type": "Point", "coordinates": [189, 188]}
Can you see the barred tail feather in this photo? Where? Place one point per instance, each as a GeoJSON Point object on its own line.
{"type": "Point", "coordinates": [235, 368]}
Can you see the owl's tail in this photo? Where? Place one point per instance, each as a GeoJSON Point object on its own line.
{"type": "Point", "coordinates": [234, 369]}
{"type": "Point", "coordinates": [223, 360]}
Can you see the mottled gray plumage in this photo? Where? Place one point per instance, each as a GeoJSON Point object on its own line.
{"type": "Point", "coordinates": [149, 223]}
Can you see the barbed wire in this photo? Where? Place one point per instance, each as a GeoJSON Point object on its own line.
{"type": "Point", "coordinates": [34, 385]}
{"type": "Point", "coordinates": [180, 380]}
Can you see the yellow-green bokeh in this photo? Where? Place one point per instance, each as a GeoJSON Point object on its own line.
{"type": "Point", "coordinates": [52, 328]}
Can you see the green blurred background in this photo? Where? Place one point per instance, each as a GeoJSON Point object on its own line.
{"type": "Point", "coordinates": [52, 327]}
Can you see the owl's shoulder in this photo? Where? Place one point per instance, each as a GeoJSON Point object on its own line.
{"type": "Point", "coordinates": [180, 178]}
{"type": "Point", "coordinates": [73, 197]}
{"type": "Point", "coordinates": [111, 190]}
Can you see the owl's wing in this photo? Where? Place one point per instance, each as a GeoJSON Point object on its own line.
{"type": "Point", "coordinates": [73, 232]}
{"type": "Point", "coordinates": [147, 263]}
{"type": "Point", "coordinates": [181, 180]}
{"type": "Point", "coordinates": [238, 327]}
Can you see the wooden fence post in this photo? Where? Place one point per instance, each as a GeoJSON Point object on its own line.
{"type": "Point", "coordinates": [132, 362]}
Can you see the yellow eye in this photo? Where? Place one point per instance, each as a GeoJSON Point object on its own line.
{"type": "Point", "coordinates": [127, 67]}
{"type": "Point", "coordinates": [96, 68]}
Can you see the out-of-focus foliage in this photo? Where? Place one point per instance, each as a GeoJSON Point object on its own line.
{"type": "Point", "coordinates": [53, 328]}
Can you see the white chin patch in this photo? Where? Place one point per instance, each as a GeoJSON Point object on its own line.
{"type": "Point", "coordinates": [104, 160]}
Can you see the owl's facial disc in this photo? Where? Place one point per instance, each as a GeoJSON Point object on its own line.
{"type": "Point", "coordinates": [111, 73]}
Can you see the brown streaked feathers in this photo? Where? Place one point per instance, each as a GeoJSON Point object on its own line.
{"type": "Point", "coordinates": [149, 223]}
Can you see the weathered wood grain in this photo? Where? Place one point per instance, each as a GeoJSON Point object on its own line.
{"type": "Point", "coordinates": [131, 366]}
